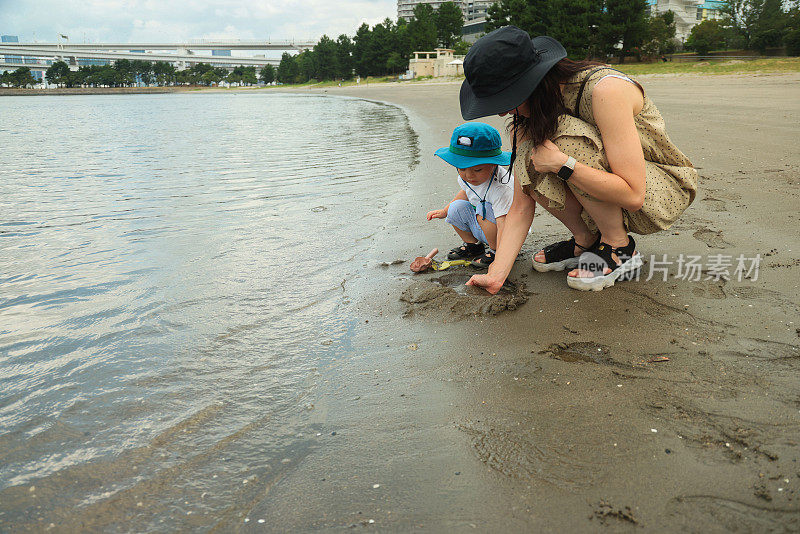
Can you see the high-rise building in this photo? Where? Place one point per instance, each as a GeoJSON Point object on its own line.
{"type": "Point", "coordinates": [471, 9]}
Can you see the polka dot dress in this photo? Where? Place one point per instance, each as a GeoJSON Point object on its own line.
{"type": "Point", "coordinates": [670, 180]}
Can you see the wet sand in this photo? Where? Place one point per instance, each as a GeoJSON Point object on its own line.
{"type": "Point", "coordinates": [653, 405]}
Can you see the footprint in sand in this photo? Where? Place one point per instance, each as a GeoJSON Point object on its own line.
{"type": "Point", "coordinates": [711, 238]}
{"type": "Point", "coordinates": [703, 513]}
{"type": "Point", "coordinates": [715, 204]}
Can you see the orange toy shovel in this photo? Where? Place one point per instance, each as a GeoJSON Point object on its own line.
{"type": "Point", "coordinates": [422, 264]}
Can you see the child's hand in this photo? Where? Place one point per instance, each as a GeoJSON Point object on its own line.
{"type": "Point", "coordinates": [436, 214]}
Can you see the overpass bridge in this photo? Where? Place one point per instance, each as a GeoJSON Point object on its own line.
{"type": "Point", "coordinates": [199, 44]}
{"type": "Point", "coordinates": [38, 56]}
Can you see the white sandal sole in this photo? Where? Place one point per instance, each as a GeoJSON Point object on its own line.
{"type": "Point", "coordinates": [598, 283]}
{"type": "Point", "coordinates": [569, 263]}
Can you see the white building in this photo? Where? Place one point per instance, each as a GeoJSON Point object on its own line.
{"type": "Point", "coordinates": [440, 62]}
{"type": "Point", "coordinates": [471, 9]}
{"type": "Point", "coordinates": [688, 13]}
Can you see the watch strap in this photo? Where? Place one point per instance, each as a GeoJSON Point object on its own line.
{"type": "Point", "coordinates": [566, 170]}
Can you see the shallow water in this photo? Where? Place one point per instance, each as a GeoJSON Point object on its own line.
{"type": "Point", "coordinates": [171, 271]}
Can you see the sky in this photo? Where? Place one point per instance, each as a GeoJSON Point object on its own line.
{"type": "Point", "coordinates": [127, 21]}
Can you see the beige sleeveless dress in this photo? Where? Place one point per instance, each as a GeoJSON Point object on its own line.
{"type": "Point", "coordinates": [670, 180]}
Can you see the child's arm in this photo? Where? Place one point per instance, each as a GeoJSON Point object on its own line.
{"type": "Point", "coordinates": [441, 214]}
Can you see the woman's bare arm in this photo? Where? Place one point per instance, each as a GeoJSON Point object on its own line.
{"type": "Point", "coordinates": [511, 236]}
{"type": "Point", "coordinates": [615, 102]}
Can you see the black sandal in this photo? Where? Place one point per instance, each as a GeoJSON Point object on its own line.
{"type": "Point", "coordinates": [466, 251]}
{"type": "Point", "coordinates": [598, 259]}
{"type": "Point", "coordinates": [483, 262]}
{"type": "Point", "coordinates": [561, 255]}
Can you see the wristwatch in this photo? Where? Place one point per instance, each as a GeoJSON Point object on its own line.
{"type": "Point", "coordinates": [566, 171]}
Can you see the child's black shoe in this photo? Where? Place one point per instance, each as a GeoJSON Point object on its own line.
{"type": "Point", "coordinates": [466, 251]}
{"type": "Point", "coordinates": [483, 262]}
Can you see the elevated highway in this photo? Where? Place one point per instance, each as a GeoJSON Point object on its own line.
{"type": "Point", "coordinates": [181, 58]}
{"type": "Point", "coordinates": [189, 45]}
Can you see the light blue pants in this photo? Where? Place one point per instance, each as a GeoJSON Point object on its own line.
{"type": "Point", "coordinates": [461, 214]}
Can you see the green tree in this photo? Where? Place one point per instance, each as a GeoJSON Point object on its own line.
{"type": "Point", "coordinates": [403, 39]}
{"type": "Point", "coordinates": [21, 77]}
{"type": "Point", "coordinates": [164, 72]}
{"type": "Point", "coordinates": [211, 77]}
{"type": "Point", "coordinates": [307, 66]}
{"type": "Point", "coordinates": [326, 59]}
{"type": "Point", "coordinates": [249, 76]}
{"type": "Point", "coordinates": [287, 69]}
{"type": "Point", "coordinates": [362, 42]}
{"type": "Point", "coordinates": [56, 72]}
{"type": "Point", "coordinates": [395, 63]}
{"type": "Point", "coordinates": [267, 74]}
{"type": "Point", "coordinates": [533, 16]}
{"type": "Point", "coordinates": [623, 26]}
{"type": "Point", "coordinates": [769, 27]}
{"type": "Point", "coordinates": [461, 48]}
{"type": "Point", "coordinates": [706, 36]}
{"type": "Point", "coordinates": [381, 46]}
{"type": "Point", "coordinates": [448, 20]}
{"type": "Point", "coordinates": [142, 70]}
{"type": "Point", "coordinates": [344, 57]}
{"type": "Point", "coordinates": [743, 16]}
{"type": "Point", "coordinates": [124, 71]}
{"type": "Point", "coordinates": [792, 36]}
{"type": "Point", "coordinates": [574, 23]}
{"type": "Point", "coordinates": [236, 75]}
{"type": "Point", "coordinates": [422, 28]}
{"type": "Point", "coordinates": [661, 35]}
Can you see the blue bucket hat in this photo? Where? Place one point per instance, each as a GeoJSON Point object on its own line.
{"type": "Point", "coordinates": [474, 143]}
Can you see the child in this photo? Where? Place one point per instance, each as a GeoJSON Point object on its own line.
{"type": "Point", "coordinates": [478, 211]}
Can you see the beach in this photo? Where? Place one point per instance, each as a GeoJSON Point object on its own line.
{"type": "Point", "coordinates": [667, 404]}
{"type": "Point", "coordinates": [220, 332]}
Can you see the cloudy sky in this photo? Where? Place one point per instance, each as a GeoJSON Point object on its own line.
{"type": "Point", "coordinates": [174, 21]}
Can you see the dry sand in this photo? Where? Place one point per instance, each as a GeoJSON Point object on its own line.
{"type": "Point", "coordinates": [562, 413]}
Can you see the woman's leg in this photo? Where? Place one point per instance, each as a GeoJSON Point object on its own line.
{"type": "Point", "coordinates": [570, 216]}
{"type": "Point", "coordinates": [608, 218]}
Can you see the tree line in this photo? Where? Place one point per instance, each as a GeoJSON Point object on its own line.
{"type": "Point", "coordinates": [124, 73]}
{"type": "Point", "coordinates": [623, 28]}
{"type": "Point", "coordinates": [750, 25]}
{"type": "Point", "coordinates": [382, 50]}
{"type": "Point", "coordinates": [587, 29]}
{"type": "Point", "coordinates": [591, 28]}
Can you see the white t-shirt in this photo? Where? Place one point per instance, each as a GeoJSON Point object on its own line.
{"type": "Point", "coordinates": [500, 194]}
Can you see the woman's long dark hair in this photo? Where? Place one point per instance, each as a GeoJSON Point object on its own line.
{"type": "Point", "coordinates": [547, 102]}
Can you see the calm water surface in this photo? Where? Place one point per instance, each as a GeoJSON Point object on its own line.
{"type": "Point", "coordinates": [171, 273]}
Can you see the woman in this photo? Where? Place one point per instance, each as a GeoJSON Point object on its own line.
{"type": "Point", "coordinates": [592, 151]}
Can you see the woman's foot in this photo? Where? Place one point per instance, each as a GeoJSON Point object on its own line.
{"type": "Point", "coordinates": [604, 265]}
{"type": "Point", "coordinates": [564, 254]}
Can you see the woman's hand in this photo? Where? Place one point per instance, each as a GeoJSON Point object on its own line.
{"type": "Point", "coordinates": [436, 214]}
{"type": "Point", "coordinates": [547, 157]}
{"type": "Point", "coordinates": [487, 282]}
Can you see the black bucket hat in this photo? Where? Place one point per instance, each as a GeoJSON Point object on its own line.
{"type": "Point", "coordinates": [503, 68]}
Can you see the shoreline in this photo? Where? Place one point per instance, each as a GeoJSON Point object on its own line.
{"type": "Point", "coordinates": [779, 66]}
{"type": "Point", "coordinates": [560, 414]}
{"type": "Point", "coordinates": [661, 405]}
